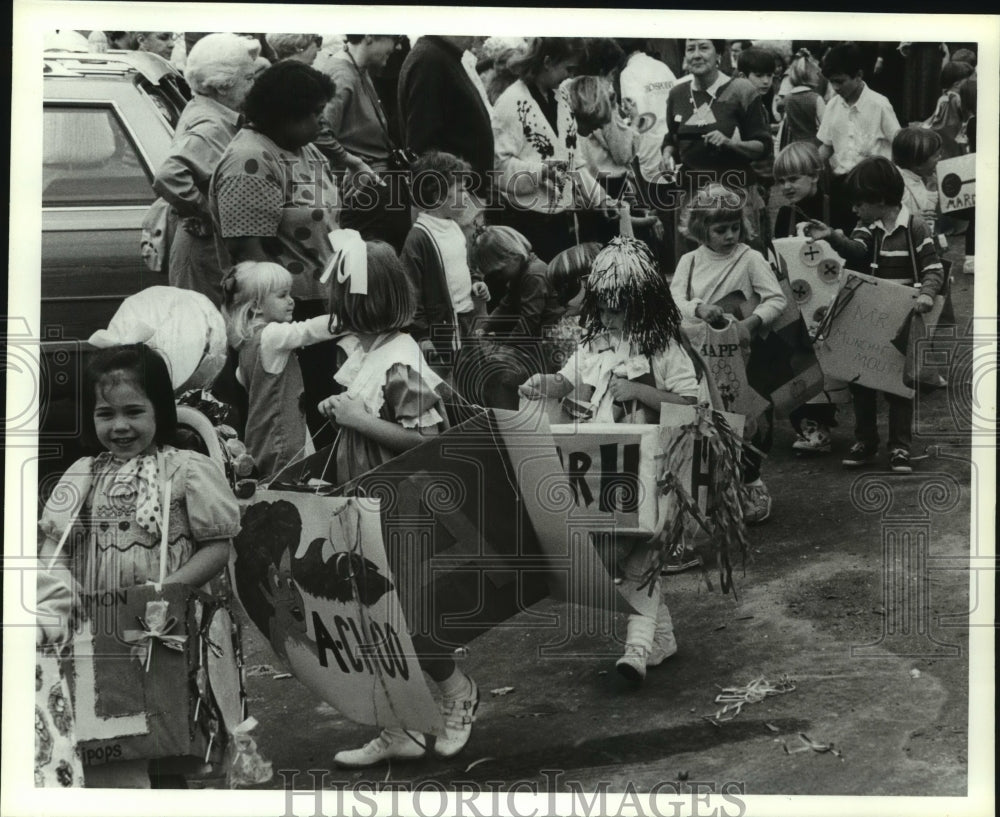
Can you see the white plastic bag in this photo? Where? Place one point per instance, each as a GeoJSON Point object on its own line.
{"type": "Point", "coordinates": [184, 326]}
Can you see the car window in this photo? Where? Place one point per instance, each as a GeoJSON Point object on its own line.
{"type": "Point", "coordinates": [170, 96]}
{"type": "Point", "coordinates": [88, 160]}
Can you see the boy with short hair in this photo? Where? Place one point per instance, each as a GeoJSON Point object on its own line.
{"type": "Point", "coordinates": [758, 66]}
{"type": "Point", "coordinates": [857, 122]}
{"type": "Point", "coordinates": [435, 256]}
{"type": "Point", "coordinates": [886, 243]}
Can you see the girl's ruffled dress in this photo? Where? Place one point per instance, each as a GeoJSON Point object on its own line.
{"type": "Point", "coordinates": [394, 383]}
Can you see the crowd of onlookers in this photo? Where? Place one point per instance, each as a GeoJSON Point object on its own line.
{"type": "Point", "coordinates": [387, 226]}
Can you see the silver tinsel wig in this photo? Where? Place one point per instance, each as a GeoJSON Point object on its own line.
{"type": "Point", "coordinates": [625, 277]}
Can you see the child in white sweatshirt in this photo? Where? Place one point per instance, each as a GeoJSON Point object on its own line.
{"type": "Point", "coordinates": [713, 280]}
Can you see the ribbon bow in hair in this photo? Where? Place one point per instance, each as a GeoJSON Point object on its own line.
{"type": "Point", "coordinates": [156, 626]}
{"type": "Point", "coordinates": [804, 52]}
{"type": "Point", "coordinates": [349, 261]}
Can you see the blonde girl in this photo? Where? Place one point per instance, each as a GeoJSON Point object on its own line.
{"type": "Point", "coordinates": [257, 306]}
{"type": "Point", "coordinates": [707, 283]}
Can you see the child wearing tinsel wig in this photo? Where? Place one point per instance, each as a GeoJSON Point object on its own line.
{"type": "Point", "coordinates": [632, 356]}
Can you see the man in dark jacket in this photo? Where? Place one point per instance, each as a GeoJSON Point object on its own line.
{"type": "Point", "coordinates": [441, 109]}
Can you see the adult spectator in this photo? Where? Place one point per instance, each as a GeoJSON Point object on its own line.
{"type": "Point", "coordinates": [275, 199]}
{"type": "Point", "coordinates": [717, 125]}
{"type": "Point", "coordinates": [121, 40]}
{"type": "Point", "coordinates": [359, 136]}
{"type": "Point", "coordinates": [160, 43]}
{"type": "Point", "coordinates": [386, 80]}
{"type": "Point", "coordinates": [301, 47]}
{"type": "Point", "coordinates": [220, 72]}
{"type": "Point", "coordinates": [441, 109]}
{"type": "Point", "coordinates": [542, 172]}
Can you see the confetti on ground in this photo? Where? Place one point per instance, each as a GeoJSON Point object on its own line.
{"type": "Point", "coordinates": [259, 669]}
{"type": "Point", "coordinates": [812, 745]}
{"type": "Point", "coordinates": [734, 698]}
{"type": "Point", "coordinates": [281, 676]}
{"type": "Point", "coordinates": [914, 673]}
{"type": "Point", "coordinates": [772, 727]}
{"type": "Point", "coordinates": [500, 691]}
{"type": "Point", "coordinates": [476, 763]}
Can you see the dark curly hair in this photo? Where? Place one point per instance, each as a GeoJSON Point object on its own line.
{"type": "Point", "coordinates": [286, 92]}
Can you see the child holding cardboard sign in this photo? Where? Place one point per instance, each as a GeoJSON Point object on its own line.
{"type": "Point", "coordinates": [632, 355]}
{"type": "Point", "coordinates": [389, 403]}
{"type": "Point", "coordinates": [711, 280]}
{"type": "Point", "coordinates": [895, 245]}
{"type": "Point", "coordinates": [141, 512]}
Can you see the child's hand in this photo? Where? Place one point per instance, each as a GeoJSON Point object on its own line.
{"type": "Point", "coordinates": [349, 412]}
{"type": "Point", "coordinates": [480, 291]}
{"type": "Point", "coordinates": [816, 230]}
{"type": "Point", "coordinates": [532, 387]}
{"type": "Point", "coordinates": [710, 313]}
{"type": "Point", "coordinates": [623, 390]}
{"type": "Point", "coordinates": [925, 303]}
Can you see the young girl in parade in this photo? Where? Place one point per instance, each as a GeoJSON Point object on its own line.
{"type": "Point", "coordinates": [112, 534]}
{"type": "Point", "coordinates": [631, 355]}
{"type": "Point", "coordinates": [389, 404]}
{"type": "Point", "coordinates": [257, 305]}
{"type": "Point", "coordinates": [724, 269]}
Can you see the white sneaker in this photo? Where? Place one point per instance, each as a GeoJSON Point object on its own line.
{"type": "Point", "coordinates": [391, 744]}
{"type": "Point", "coordinates": [814, 439]}
{"type": "Point", "coordinates": [632, 665]}
{"type": "Point", "coordinates": [969, 265]}
{"type": "Point", "coordinates": [459, 715]}
{"type": "Point", "coordinates": [664, 646]}
{"type": "Point", "coordinates": [757, 504]}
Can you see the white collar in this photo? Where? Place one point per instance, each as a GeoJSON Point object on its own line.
{"type": "Point", "coordinates": [865, 91]}
{"type": "Point", "coordinates": [902, 220]}
{"type": "Point", "coordinates": [712, 89]}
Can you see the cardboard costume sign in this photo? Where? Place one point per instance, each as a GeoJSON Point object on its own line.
{"type": "Point", "coordinates": [312, 574]}
{"type": "Point", "coordinates": [612, 468]}
{"type": "Point", "coordinates": [860, 340]}
{"type": "Point", "coordinates": [478, 525]}
{"type": "Point", "coordinates": [140, 677]}
{"type": "Point", "coordinates": [956, 179]}
{"type": "Point", "coordinates": [815, 273]}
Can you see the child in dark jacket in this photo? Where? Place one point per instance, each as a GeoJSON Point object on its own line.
{"type": "Point", "coordinates": [882, 243]}
{"type": "Point", "coordinates": [435, 257]}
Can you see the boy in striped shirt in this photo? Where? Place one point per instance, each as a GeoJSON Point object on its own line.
{"type": "Point", "coordinates": [892, 243]}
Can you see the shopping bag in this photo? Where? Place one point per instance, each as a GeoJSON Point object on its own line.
{"type": "Point", "coordinates": [725, 358]}
{"type": "Point", "coordinates": [140, 675]}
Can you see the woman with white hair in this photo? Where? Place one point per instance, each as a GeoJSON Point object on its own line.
{"type": "Point", "coordinates": [220, 72]}
{"type": "Point", "coordinates": [301, 47]}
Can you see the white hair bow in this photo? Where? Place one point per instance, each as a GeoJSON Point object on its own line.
{"type": "Point", "coordinates": [349, 260]}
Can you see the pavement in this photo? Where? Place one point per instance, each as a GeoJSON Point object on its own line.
{"type": "Point", "coordinates": [843, 594]}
